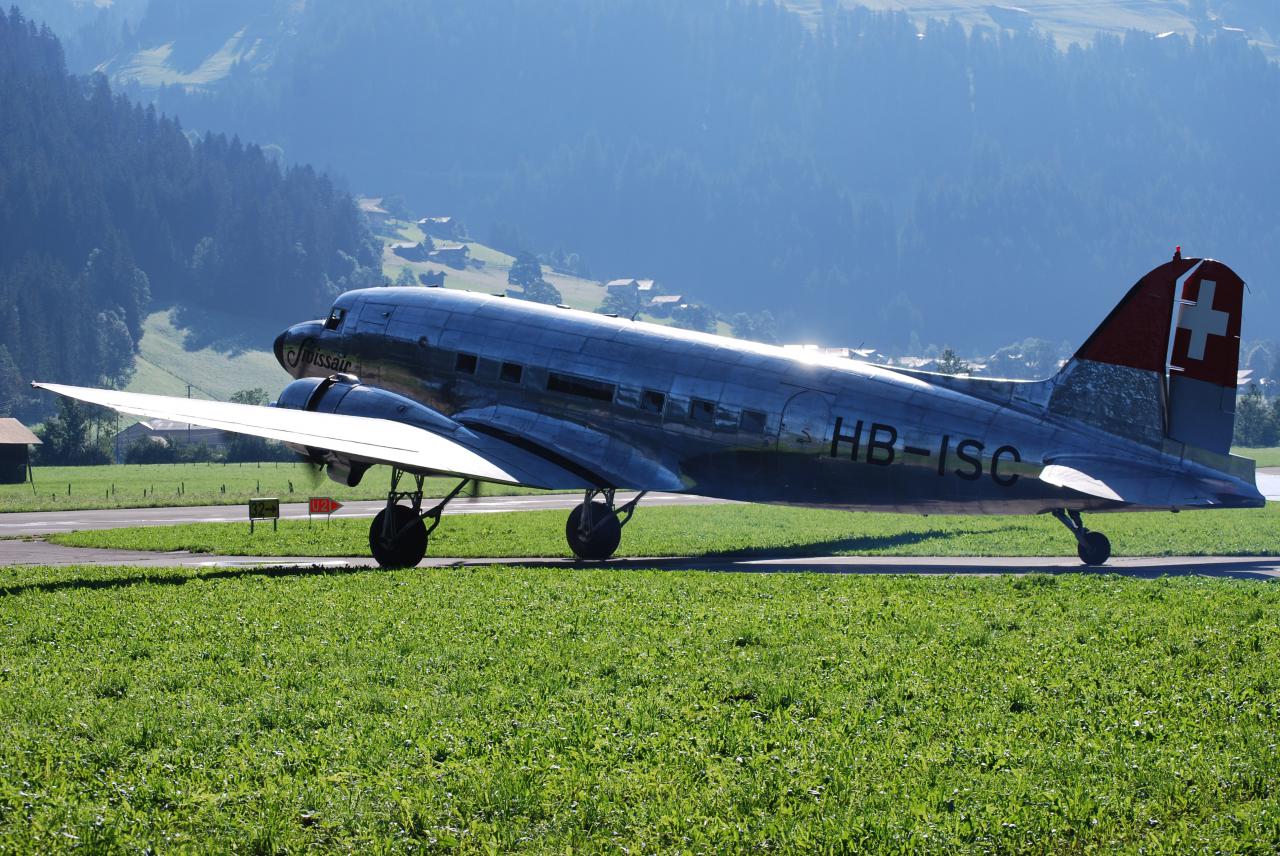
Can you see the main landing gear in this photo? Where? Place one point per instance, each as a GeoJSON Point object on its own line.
{"type": "Point", "coordinates": [594, 527]}
{"type": "Point", "coordinates": [398, 536]}
{"type": "Point", "coordinates": [1094, 548]}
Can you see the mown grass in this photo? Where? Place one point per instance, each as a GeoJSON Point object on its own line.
{"type": "Point", "coordinates": [1264, 457]}
{"type": "Point", "coordinates": [152, 485]}
{"type": "Point", "coordinates": [734, 529]}
{"type": "Point", "coordinates": [495, 710]}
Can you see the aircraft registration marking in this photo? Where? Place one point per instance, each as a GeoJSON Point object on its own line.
{"type": "Point", "coordinates": [879, 451]}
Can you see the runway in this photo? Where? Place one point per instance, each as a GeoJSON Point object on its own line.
{"type": "Point", "coordinates": [29, 523]}
{"type": "Point", "coordinates": [21, 544]}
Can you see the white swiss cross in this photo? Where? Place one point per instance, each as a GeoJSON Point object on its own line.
{"type": "Point", "coordinates": [1202, 320]}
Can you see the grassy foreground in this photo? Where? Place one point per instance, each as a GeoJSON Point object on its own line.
{"type": "Point", "coordinates": [157, 485]}
{"type": "Point", "coordinates": [492, 710]}
{"type": "Point", "coordinates": [725, 529]}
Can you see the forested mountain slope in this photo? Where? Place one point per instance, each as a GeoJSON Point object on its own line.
{"type": "Point", "coordinates": [877, 178]}
{"type": "Point", "coordinates": [107, 208]}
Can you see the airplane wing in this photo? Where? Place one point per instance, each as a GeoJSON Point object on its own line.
{"type": "Point", "coordinates": [1135, 484]}
{"type": "Point", "coordinates": [464, 453]}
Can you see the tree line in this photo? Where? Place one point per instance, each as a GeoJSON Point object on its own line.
{"type": "Point", "coordinates": [109, 209]}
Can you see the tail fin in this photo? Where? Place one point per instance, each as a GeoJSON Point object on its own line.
{"type": "Point", "coordinates": [1206, 358]}
{"type": "Point", "coordinates": [1119, 378]}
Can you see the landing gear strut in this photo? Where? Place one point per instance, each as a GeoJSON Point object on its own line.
{"type": "Point", "coordinates": [594, 528]}
{"type": "Point", "coordinates": [398, 536]}
{"type": "Point", "coordinates": [1093, 548]}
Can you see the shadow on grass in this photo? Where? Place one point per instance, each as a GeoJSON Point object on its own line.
{"type": "Point", "coordinates": [836, 545]}
{"type": "Point", "coordinates": [176, 579]}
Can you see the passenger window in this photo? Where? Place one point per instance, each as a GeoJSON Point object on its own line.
{"type": "Point", "coordinates": [465, 363]}
{"type": "Point", "coordinates": [702, 412]}
{"type": "Point", "coordinates": [652, 401]}
{"type": "Point", "coordinates": [511, 372]}
{"type": "Point", "coordinates": [334, 321]}
{"type": "Point", "coordinates": [752, 422]}
{"type": "Point", "coordinates": [580, 386]}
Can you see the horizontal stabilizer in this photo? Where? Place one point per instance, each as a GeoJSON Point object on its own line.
{"type": "Point", "coordinates": [364, 438]}
{"type": "Point", "coordinates": [1269, 486]}
{"type": "Point", "coordinates": [1146, 486]}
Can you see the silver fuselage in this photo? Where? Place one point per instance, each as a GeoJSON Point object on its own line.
{"type": "Point", "coordinates": [633, 404]}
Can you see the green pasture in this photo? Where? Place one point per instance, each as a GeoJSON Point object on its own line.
{"type": "Point", "coordinates": [153, 485]}
{"type": "Point", "coordinates": [1265, 457]}
{"type": "Point", "coordinates": [714, 530]}
{"type": "Point", "coordinates": [519, 710]}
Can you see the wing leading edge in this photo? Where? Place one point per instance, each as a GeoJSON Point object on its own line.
{"type": "Point", "coordinates": [376, 440]}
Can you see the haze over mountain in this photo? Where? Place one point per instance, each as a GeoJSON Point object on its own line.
{"type": "Point", "coordinates": [109, 210]}
{"type": "Point", "coordinates": [871, 176]}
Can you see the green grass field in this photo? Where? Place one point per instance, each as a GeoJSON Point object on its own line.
{"type": "Point", "coordinates": [152, 485]}
{"type": "Point", "coordinates": [714, 530]}
{"type": "Point", "coordinates": [1265, 457]}
{"type": "Point", "coordinates": [497, 710]}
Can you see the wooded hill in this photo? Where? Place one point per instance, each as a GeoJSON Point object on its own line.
{"type": "Point", "coordinates": [108, 207]}
{"type": "Point", "coordinates": [877, 177]}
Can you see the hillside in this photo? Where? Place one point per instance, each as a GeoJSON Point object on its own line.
{"type": "Point", "coordinates": [1080, 21]}
{"type": "Point", "coordinates": [165, 365]}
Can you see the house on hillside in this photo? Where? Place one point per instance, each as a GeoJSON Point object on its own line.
{"type": "Point", "coordinates": [16, 441]}
{"type": "Point", "coordinates": [452, 254]}
{"type": "Point", "coordinates": [661, 305]}
{"type": "Point", "coordinates": [440, 227]}
{"type": "Point", "coordinates": [644, 287]}
{"type": "Point", "coordinates": [168, 433]}
{"type": "Point", "coordinates": [371, 208]}
{"type": "Point", "coordinates": [410, 252]}
{"type": "Point", "coordinates": [432, 278]}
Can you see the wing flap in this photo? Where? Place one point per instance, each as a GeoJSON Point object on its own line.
{"type": "Point", "coordinates": [362, 438]}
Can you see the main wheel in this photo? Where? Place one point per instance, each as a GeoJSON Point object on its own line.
{"type": "Point", "coordinates": [1095, 550]}
{"type": "Point", "coordinates": [407, 543]}
{"type": "Point", "coordinates": [604, 538]}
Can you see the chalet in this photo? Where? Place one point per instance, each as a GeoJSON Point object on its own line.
{"type": "Point", "coordinates": [169, 433]}
{"type": "Point", "coordinates": [432, 278]}
{"type": "Point", "coordinates": [451, 254]}
{"type": "Point", "coordinates": [16, 441]}
{"type": "Point", "coordinates": [410, 252]}
{"type": "Point", "coordinates": [661, 305]}
{"type": "Point", "coordinates": [440, 227]}
{"type": "Point", "coordinates": [371, 208]}
{"type": "Point", "coordinates": [643, 287]}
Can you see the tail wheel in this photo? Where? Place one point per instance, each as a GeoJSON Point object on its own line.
{"type": "Point", "coordinates": [1094, 549]}
{"type": "Point", "coordinates": [603, 537]}
{"type": "Point", "coordinates": [403, 543]}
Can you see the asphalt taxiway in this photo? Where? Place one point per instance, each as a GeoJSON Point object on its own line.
{"type": "Point", "coordinates": [21, 543]}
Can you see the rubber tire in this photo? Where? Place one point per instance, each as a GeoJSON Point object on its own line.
{"type": "Point", "coordinates": [406, 550]}
{"type": "Point", "coordinates": [604, 540]}
{"type": "Point", "coordinates": [1095, 550]}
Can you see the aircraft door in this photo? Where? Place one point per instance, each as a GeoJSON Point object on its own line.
{"type": "Point", "coordinates": [805, 427]}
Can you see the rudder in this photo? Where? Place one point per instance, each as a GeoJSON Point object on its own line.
{"type": "Point", "coordinates": [1205, 358]}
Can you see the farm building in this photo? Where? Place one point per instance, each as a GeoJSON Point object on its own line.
{"type": "Point", "coordinates": [169, 433]}
{"type": "Point", "coordinates": [16, 441]}
{"type": "Point", "coordinates": [432, 278]}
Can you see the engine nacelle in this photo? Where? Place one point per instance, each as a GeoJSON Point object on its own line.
{"type": "Point", "coordinates": [345, 394]}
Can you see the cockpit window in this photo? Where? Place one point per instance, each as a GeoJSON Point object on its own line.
{"type": "Point", "coordinates": [334, 321]}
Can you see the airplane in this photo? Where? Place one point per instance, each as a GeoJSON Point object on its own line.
{"type": "Point", "coordinates": [488, 388]}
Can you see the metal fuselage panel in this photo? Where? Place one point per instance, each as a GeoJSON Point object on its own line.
{"type": "Point", "coordinates": [700, 413]}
